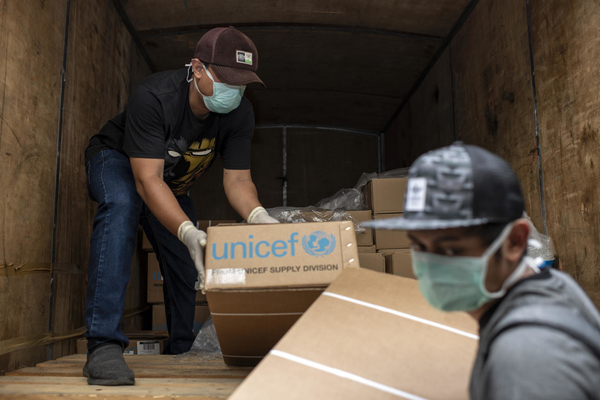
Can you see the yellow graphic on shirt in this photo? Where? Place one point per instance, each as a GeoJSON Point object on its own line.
{"type": "Point", "coordinates": [197, 159]}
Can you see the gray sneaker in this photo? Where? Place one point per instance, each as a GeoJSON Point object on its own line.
{"type": "Point", "coordinates": [106, 366]}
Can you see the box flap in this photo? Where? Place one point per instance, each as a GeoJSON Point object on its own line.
{"type": "Point", "coordinates": [369, 336]}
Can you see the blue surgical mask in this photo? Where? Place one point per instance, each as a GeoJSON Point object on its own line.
{"type": "Point", "coordinates": [458, 283]}
{"type": "Point", "coordinates": [225, 98]}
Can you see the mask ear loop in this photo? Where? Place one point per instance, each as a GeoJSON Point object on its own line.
{"type": "Point", "coordinates": [189, 73]}
{"type": "Point", "coordinates": [489, 253]}
{"type": "Point", "coordinates": [527, 262]}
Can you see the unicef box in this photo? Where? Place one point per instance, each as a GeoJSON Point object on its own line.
{"type": "Point", "coordinates": [261, 278]}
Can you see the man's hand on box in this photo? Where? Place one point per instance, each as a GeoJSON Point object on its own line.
{"type": "Point", "coordinates": [260, 216]}
{"type": "Point", "coordinates": [195, 240]}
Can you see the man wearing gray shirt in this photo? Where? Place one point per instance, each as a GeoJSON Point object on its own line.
{"type": "Point", "coordinates": [539, 332]}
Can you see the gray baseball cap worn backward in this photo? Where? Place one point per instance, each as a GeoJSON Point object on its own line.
{"type": "Point", "coordinates": [457, 186]}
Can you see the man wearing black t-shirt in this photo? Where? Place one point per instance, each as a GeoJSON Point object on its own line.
{"type": "Point", "coordinates": [140, 167]}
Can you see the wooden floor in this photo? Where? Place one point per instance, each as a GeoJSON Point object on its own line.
{"type": "Point", "coordinates": [156, 377]}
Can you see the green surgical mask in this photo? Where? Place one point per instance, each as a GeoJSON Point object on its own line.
{"type": "Point", "coordinates": [458, 283]}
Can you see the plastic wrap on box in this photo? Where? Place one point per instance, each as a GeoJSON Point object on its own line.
{"type": "Point", "coordinates": [546, 250]}
{"type": "Point", "coordinates": [313, 214]}
{"type": "Point", "coordinates": [206, 346]}
{"type": "Point", "coordinates": [352, 198]}
{"type": "Point", "coordinates": [346, 199]}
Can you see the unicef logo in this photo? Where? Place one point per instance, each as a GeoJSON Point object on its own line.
{"type": "Point", "coordinates": [318, 244]}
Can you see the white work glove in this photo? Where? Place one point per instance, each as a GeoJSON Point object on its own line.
{"type": "Point", "coordinates": [260, 216]}
{"type": "Point", "coordinates": [195, 240]}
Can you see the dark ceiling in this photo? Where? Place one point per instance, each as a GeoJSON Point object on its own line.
{"type": "Point", "coordinates": [339, 63]}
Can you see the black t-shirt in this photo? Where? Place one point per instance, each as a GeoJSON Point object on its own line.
{"type": "Point", "coordinates": [158, 122]}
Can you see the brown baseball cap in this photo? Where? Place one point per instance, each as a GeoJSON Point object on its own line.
{"type": "Point", "coordinates": [231, 54]}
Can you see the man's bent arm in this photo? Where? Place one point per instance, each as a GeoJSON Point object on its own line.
{"type": "Point", "coordinates": [157, 195]}
{"type": "Point", "coordinates": [240, 191]}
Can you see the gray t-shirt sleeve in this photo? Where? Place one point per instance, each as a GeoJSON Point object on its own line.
{"type": "Point", "coordinates": [534, 362]}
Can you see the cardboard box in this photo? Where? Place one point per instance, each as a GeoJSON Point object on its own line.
{"type": "Point", "coordinates": [367, 249]}
{"type": "Point", "coordinates": [261, 278]}
{"type": "Point", "coordinates": [140, 343]}
{"type": "Point", "coordinates": [159, 317]}
{"type": "Point", "coordinates": [369, 336]}
{"type": "Point", "coordinates": [155, 283]}
{"type": "Point", "coordinates": [372, 261]}
{"type": "Point", "coordinates": [399, 263]}
{"type": "Point", "coordinates": [388, 239]}
{"type": "Point", "coordinates": [365, 238]}
{"type": "Point", "coordinates": [385, 196]}
{"type": "Point", "coordinates": [202, 225]}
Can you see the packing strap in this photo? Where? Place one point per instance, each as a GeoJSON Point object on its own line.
{"type": "Point", "coordinates": [401, 314]}
{"type": "Point", "coordinates": [345, 375]}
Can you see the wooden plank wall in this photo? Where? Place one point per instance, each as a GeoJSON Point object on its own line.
{"type": "Point", "coordinates": [493, 91]}
{"type": "Point", "coordinates": [494, 107]}
{"type": "Point", "coordinates": [566, 46]}
{"type": "Point", "coordinates": [102, 65]}
{"type": "Point", "coordinates": [31, 49]}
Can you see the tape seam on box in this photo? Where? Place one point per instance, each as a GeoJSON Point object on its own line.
{"type": "Point", "coordinates": [346, 375]}
{"type": "Point", "coordinates": [226, 277]}
{"type": "Point", "coordinates": [401, 314]}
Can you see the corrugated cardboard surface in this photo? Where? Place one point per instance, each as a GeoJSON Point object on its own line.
{"type": "Point", "coordinates": [389, 239]}
{"type": "Point", "coordinates": [278, 255]}
{"type": "Point", "coordinates": [367, 249]}
{"type": "Point", "coordinates": [250, 322]}
{"type": "Point", "coordinates": [255, 300]}
{"type": "Point", "coordinates": [399, 263]}
{"type": "Point", "coordinates": [365, 238]}
{"type": "Point", "coordinates": [155, 282]}
{"type": "Point", "coordinates": [384, 196]}
{"type": "Point", "coordinates": [381, 346]}
{"type": "Point", "coordinates": [372, 261]}
{"type": "Point", "coordinates": [159, 317]}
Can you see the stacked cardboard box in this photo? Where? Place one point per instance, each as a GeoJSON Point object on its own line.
{"type": "Point", "coordinates": [386, 198]}
{"type": "Point", "coordinates": [364, 239]}
{"type": "Point", "coordinates": [373, 261]}
{"type": "Point", "coordinates": [155, 282]}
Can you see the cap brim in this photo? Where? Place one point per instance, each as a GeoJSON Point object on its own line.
{"type": "Point", "coordinates": [236, 76]}
{"type": "Point", "coordinates": [404, 224]}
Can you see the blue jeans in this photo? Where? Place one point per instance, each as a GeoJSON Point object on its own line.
{"type": "Point", "coordinates": [120, 209]}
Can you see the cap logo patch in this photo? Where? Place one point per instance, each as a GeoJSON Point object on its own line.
{"type": "Point", "coordinates": [416, 194]}
{"type": "Point", "coordinates": [244, 57]}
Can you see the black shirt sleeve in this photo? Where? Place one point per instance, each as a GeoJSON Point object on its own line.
{"type": "Point", "coordinates": [235, 151]}
{"type": "Point", "coordinates": [144, 125]}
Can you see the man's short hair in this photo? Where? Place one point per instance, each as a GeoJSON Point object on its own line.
{"type": "Point", "coordinates": [488, 233]}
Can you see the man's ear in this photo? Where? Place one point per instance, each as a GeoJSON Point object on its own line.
{"type": "Point", "coordinates": [514, 247]}
{"type": "Point", "coordinates": [197, 68]}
